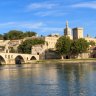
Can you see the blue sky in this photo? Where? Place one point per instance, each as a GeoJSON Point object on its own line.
{"type": "Point", "coordinates": [47, 16]}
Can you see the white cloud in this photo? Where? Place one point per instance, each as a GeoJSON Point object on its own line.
{"type": "Point", "coordinates": [91, 4]}
{"type": "Point", "coordinates": [36, 26]}
{"type": "Point", "coordinates": [6, 24]}
{"type": "Point", "coordinates": [43, 5]}
{"type": "Point", "coordinates": [22, 25]}
{"type": "Point", "coordinates": [50, 13]}
{"type": "Point", "coordinates": [51, 29]}
{"type": "Point", "coordinates": [31, 25]}
{"type": "Point", "coordinates": [46, 9]}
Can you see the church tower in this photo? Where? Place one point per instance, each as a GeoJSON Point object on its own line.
{"type": "Point", "coordinates": [67, 31]}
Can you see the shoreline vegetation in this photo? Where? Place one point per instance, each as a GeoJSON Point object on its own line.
{"type": "Point", "coordinates": [59, 61]}
{"type": "Point", "coordinates": [89, 60]}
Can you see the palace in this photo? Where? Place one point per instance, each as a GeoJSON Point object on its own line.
{"type": "Point", "coordinates": [47, 50]}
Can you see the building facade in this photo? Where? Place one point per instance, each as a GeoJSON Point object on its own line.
{"type": "Point", "coordinates": [88, 38]}
{"type": "Point", "coordinates": [51, 41]}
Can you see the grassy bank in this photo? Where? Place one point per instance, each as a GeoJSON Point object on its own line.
{"type": "Point", "coordinates": [65, 60]}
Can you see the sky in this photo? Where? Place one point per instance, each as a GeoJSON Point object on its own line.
{"type": "Point", "coordinates": [47, 16]}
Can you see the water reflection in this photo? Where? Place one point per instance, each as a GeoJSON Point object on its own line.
{"type": "Point", "coordinates": [48, 80]}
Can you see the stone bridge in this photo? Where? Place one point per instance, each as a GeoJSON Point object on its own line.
{"type": "Point", "coordinates": [16, 58]}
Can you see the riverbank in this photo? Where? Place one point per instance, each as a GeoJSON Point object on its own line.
{"type": "Point", "coordinates": [65, 61]}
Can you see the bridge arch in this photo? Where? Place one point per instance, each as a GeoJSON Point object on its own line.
{"type": "Point", "coordinates": [94, 55]}
{"type": "Point", "coordinates": [19, 59]}
{"type": "Point", "coordinates": [2, 60]}
{"type": "Point", "coordinates": [33, 58]}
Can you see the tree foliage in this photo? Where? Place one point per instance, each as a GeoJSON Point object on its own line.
{"type": "Point", "coordinates": [12, 50]}
{"type": "Point", "coordinates": [92, 43]}
{"type": "Point", "coordinates": [79, 46]}
{"type": "Point", "coordinates": [63, 45]}
{"type": "Point", "coordinates": [1, 37]}
{"type": "Point", "coordinates": [15, 35]}
{"type": "Point", "coordinates": [29, 34]}
{"type": "Point", "coordinates": [25, 47]}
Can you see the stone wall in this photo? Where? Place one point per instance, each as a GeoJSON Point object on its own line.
{"type": "Point", "coordinates": [52, 55]}
{"type": "Point", "coordinates": [83, 56]}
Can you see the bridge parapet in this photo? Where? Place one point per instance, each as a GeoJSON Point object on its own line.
{"type": "Point", "coordinates": [11, 58]}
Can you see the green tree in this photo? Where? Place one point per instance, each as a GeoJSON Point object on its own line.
{"type": "Point", "coordinates": [63, 46]}
{"type": "Point", "coordinates": [13, 35]}
{"type": "Point", "coordinates": [25, 47]}
{"type": "Point", "coordinates": [79, 46]}
{"type": "Point", "coordinates": [29, 34]}
{"type": "Point", "coordinates": [92, 43]}
{"type": "Point", "coordinates": [1, 37]}
{"type": "Point", "coordinates": [12, 50]}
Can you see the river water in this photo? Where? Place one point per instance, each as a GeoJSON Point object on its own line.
{"type": "Point", "coordinates": [48, 80]}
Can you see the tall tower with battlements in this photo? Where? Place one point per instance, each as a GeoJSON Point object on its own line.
{"type": "Point", "coordinates": [77, 33]}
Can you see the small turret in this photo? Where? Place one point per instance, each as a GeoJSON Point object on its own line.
{"type": "Point", "coordinates": [66, 24]}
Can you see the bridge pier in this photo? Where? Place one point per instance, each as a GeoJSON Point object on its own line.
{"type": "Point", "coordinates": [10, 61]}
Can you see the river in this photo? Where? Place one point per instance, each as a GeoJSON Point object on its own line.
{"type": "Point", "coordinates": [48, 80]}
